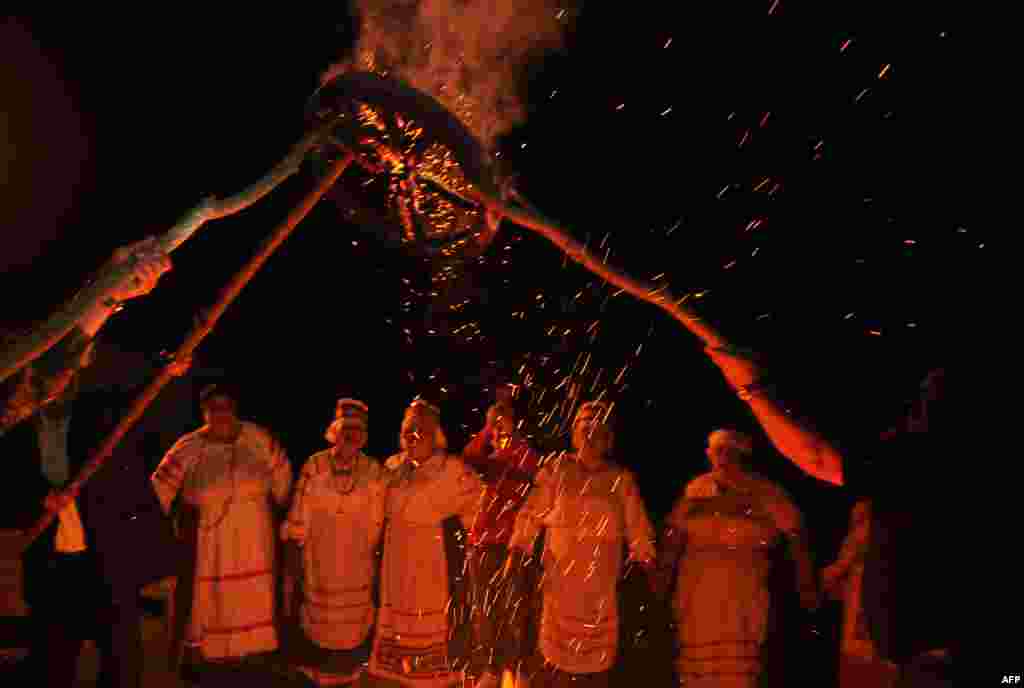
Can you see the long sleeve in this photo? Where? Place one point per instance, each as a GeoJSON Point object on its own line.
{"type": "Point", "coordinates": [465, 493]}
{"type": "Point", "coordinates": [534, 512]}
{"type": "Point", "coordinates": [790, 522]}
{"type": "Point", "coordinates": [477, 451]}
{"type": "Point", "coordinates": [639, 532]}
{"type": "Point", "coordinates": [806, 580]}
{"type": "Point", "coordinates": [170, 474]}
{"type": "Point", "coordinates": [521, 461]}
{"type": "Point", "coordinates": [44, 380]}
{"type": "Point", "coordinates": [854, 544]}
{"type": "Point", "coordinates": [673, 544]}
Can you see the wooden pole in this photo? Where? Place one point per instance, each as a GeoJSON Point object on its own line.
{"type": "Point", "coordinates": [44, 337]}
{"type": "Point", "coordinates": [201, 330]}
{"type": "Point", "coordinates": [645, 291]}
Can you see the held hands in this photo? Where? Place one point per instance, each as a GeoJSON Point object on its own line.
{"type": "Point", "coordinates": [512, 570]}
{"type": "Point", "coordinates": [501, 440]}
{"type": "Point", "coordinates": [498, 434]}
{"type": "Point", "coordinates": [645, 561]}
{"type": "Point", "coordinates": [293, 532]}
{"type": "Point", "coordinates": [738, 366]}
{"type": "Point", "coordinates": [490, 436]}
{"type": "Point", "coordinates": [151, 264]}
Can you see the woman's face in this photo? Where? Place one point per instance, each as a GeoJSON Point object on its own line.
{"type": "Point", "coordinates": [350, 441]}
{"type": "Point", "coordinates": [591, 436]}
{"type": "Point", "coordinates": [220, 413]}
{"type": "Point", "coordinates": [724, 458]}
{"type": "Point", "coordinates": [417, 434]}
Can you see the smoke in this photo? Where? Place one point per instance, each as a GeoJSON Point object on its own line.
{"type": "Point", "coordinates": [468, 54]}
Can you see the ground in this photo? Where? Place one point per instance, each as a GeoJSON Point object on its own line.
{"type": "Point", "coordinates": [154, 638]}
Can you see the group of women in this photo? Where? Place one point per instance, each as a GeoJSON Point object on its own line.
{"type": "Point", "coordinates": [385, 593]}
{"type": "Point", "coordinates": [400, 619]}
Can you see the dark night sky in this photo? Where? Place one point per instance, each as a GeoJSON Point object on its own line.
{"type": "Point", "coordinates": [112, 126]}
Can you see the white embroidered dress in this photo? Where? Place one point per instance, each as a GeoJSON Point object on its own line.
{"type": "Point", "coordinates": [590, 515]}
{"type": "Point", "coordinates": [341, 517]}
{"type": "Point", "coordinates": [411, 642]}
{"type": "Point", "coordinates": [233, 486]}
{"type": "Point", "coordinates": [723, 597]}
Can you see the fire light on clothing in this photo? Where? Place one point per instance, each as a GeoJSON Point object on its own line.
{"type": "Point", "coordinates": [592, 511]}
{"type": "Point", "coordinates": [231, 473]}
{"type": "Point", "coordinates": [336, 518]}
{"type": "Point", "coordinates": [412, 642]}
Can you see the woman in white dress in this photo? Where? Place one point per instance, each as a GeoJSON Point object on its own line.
{"type": "Point", "coordinates": [728, 533]}
{"type": "Point", "coordinates": [336, 519]}
{"type": "Point", "coordinates": [593, 513]}
{"type": "Point", "coordinates": [412, 641]}
{"type": "Point", "coordinates": [230, 474]}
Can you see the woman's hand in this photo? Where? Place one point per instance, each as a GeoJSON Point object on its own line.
{"type": "Point", "coordinates": [177, 367]}
{"type": "Point", "coordinates": [152, 263]}
{"type": "Point", "coordinates": [738, 367]}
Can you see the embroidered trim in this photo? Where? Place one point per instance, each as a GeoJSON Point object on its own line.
{"type": "Point", "coordinates": [234, 576]}
{"type": "Point", "coordinates": [231, 630]}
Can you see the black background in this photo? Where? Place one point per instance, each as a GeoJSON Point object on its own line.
{"type": "Point", "coordinates": [114, 125]}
